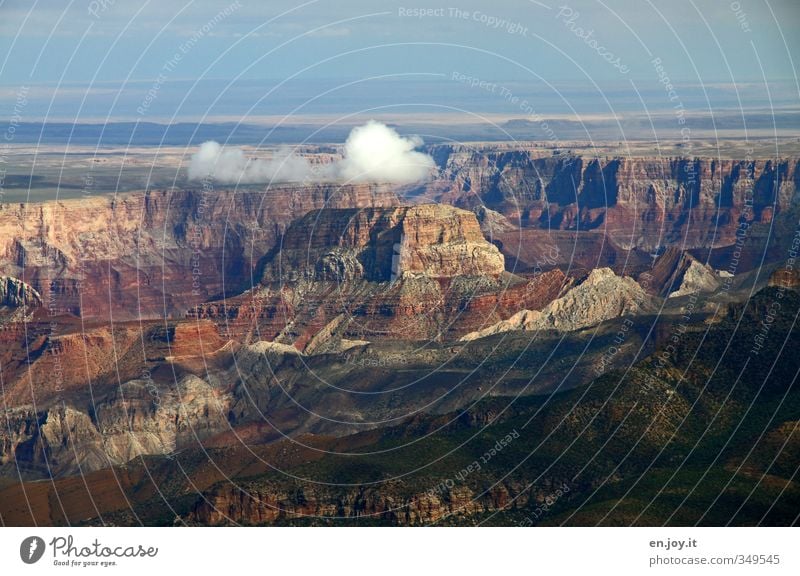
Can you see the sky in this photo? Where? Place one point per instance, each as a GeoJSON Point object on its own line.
{"type": "Point", "coordinates": [160, 59]}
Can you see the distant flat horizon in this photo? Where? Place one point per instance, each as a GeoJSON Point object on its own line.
{"type": "Point", "coordinates": [454, 94]}
{"type": "Point", "coordinates": [742, 125]}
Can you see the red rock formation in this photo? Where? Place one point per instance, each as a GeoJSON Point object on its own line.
{"type": "Point", "coordinates": [158, 253]}
{"type": "Point", "coordinates": [380, 244]}
{"type": "Point", "coordinates": [421, 272]}
{"type": "Point", "coordinates": [392, 503]}
{"type": "Point", "coordinates": [154, 254]}
{"type": "Point", "coordinates": [638, 202]}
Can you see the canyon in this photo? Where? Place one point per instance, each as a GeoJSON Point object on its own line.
{"type": "Point", "coordinates": [161, 252]}
{"type": "Point", "coordinates": [141, 326]}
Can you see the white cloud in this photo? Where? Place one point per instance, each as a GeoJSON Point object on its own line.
{"type": "Point", "coordinates": [373, 152]}
{"type": "Point", "coordinates": [230, 165]}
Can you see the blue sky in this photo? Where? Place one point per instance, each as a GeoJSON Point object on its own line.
{"type": "Point", "coordinates": [106, 50]}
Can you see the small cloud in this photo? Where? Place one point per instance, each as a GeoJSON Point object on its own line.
{"type": "Point", "coordinates": [373, 152]}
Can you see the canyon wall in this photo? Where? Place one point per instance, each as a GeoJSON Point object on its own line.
{"type": "Point", "coordinates": [639, 202]}
{"type": "Point", "coordinates": [159, 253]}
{"type": "Point", "coordinates": [155, 253]}
{"type": "Point", "coordinates": [421, 272]}
{"type": "Point", "coordinates": [390, 502]}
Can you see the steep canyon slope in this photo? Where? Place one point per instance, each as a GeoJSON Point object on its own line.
{"type": "Point", "coordinates": [160, 252]}
{"type": "Point", "coordinates": [150, 323]}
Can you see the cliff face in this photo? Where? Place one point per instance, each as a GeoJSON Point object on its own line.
{"type": "Point", "coordinates": [159, 252]}
{"type": "Point", "coordinates": [15, 293]}
{"type": "Point", "coordinates": [420, 272]}
{"type": "Point", "coordinates": [266, 504]}
{"type": "Point", "coordinates": [602, 296]}
{"type": "Point", "coordinates": [138, 418]}
{"type": "Point", "coordinates": [156, 253]}
{"type": "Point", "coordinates": [91, 395]}
{"type": "Point", "coordinates": [378, 245]}
{"type": "Point", "coordinates": [640, 202]}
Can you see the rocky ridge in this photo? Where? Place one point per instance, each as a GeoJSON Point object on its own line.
{"type": "Point", "coordinates": [418, 272]}
{"type": "Point", "coordinates": [16, 293]}
{"type": "Point", "coordinates": [602, 296]}
{"type": "Point", "coordinates": [390, 503]}
{"type": "Point", "coordinates": [147, 254]}
{"type": "Point", "coordinates": [384, 244]}
{"type": "Point", "coordinates": [138, 254]}
{"type": "Point", "coordinates": [697, 277]}
{"type": "Point", "coordinates": [645, 203]}
{"type": "Point", "coordinates": [139, 418]}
